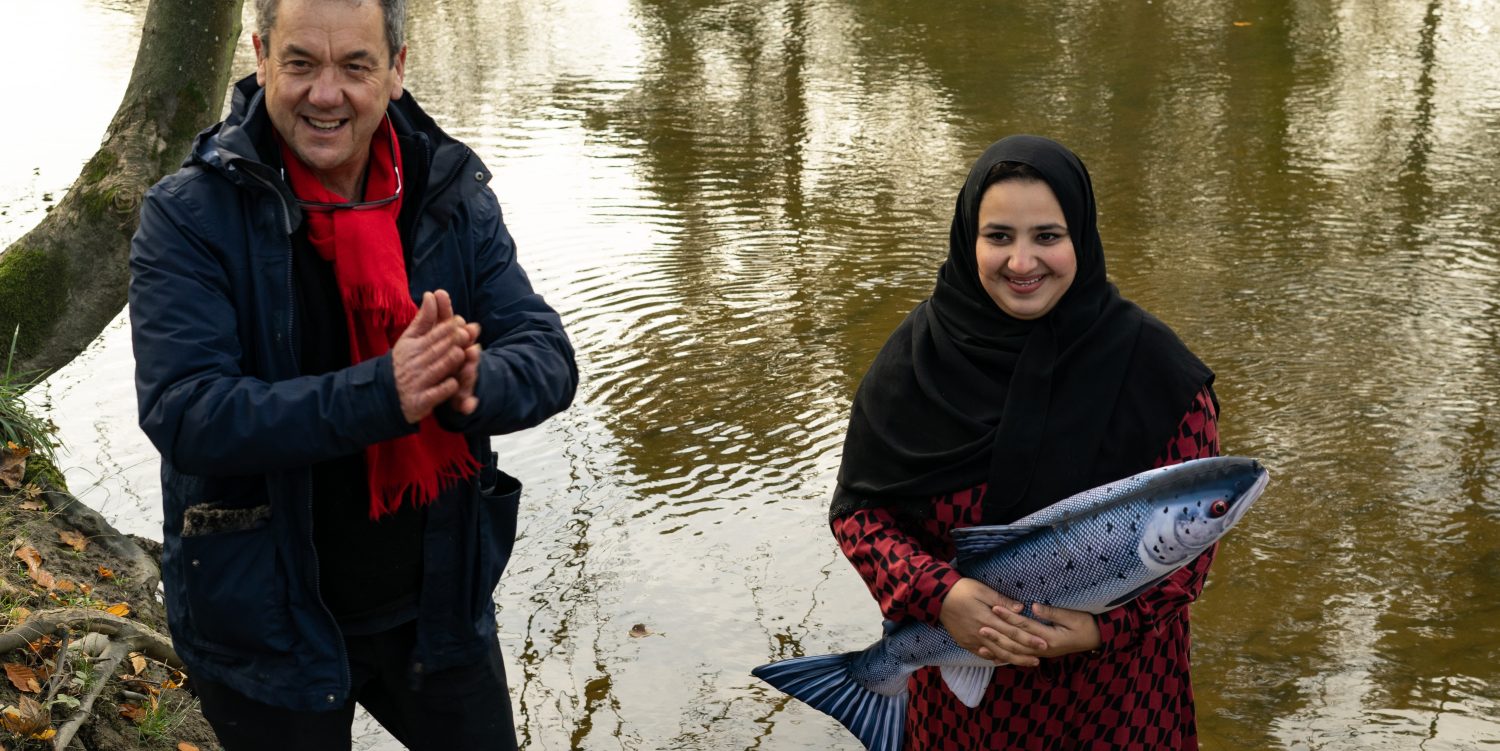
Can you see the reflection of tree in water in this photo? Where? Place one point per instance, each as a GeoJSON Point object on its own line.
{"type": "Point", "coordinates": [784, 241]}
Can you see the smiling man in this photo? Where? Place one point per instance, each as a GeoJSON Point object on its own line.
{"type": "Point", "coordinates": [329, 323]}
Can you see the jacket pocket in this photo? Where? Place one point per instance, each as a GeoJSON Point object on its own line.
{"type": "Point", "coordinates": [499, 502]}
{"type": "Point", "coordinates": [234, 580]}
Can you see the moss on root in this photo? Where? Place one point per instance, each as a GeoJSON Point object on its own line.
{"type": "Point", "coordinates": [33, 295]}
{"type": "Point", "coordinates": [38, 469]}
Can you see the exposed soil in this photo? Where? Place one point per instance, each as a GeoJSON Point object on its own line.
{"type": "Point", "coordinates": [65, 564]}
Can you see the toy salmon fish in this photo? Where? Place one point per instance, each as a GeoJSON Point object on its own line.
{"type": "Point", "coordinates": [1093, 551]}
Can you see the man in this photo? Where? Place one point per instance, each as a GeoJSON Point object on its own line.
{"type": "Point", "coordinates": [335, 524]}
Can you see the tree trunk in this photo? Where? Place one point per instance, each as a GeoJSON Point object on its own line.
{"type": "Point", "coordinates": [65, 280]}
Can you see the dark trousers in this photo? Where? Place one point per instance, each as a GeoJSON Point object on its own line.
{"type": "Point", "coordinates": [467, 707]}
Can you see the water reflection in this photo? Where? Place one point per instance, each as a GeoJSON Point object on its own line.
{"type": "Point", "coordinates": [732, 203]}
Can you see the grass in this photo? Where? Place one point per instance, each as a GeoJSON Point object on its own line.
{"type": "Point", "coordinates": [161, 720]}
{"type": "Point", "coordinates": [17, 424]}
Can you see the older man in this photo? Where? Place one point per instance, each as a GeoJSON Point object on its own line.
{"type": "Point", "coordinates": [329, 323]}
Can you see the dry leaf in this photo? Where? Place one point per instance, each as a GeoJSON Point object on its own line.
{"type": "Point", "coordinates": [105, 573]}
{"type": "Point", "coordinates": [1242, 24]}
{"type": "Point", "coordinates": [61, 585]}
{"type": "Point", "coordinates": [12, 466]}
{"type": "Point", "coordinates": [26, 719]}
{"type": "Point", "coordinates": [45, 735]}
{"type": "Point", "coordinates": [21, 614]}
{"type": "Point", "coordinates": [33, 561]}
{"type": "Point", "coordinates": [185, 746]}
{"type": "Point", "coordinates": [121, 609]}
{"type": "Point", "coordinates": [29, 556]}
{"type": "Point", "coordinates": [138, 662]}
{"type": "Point", "coordinates": [73, 539]}
{"type": "Point", "coordinates": [33, 506]}
{"type": "Point", "coordinates": [131, 712]}
{"type": "Point", "coordinates": [22, 677]}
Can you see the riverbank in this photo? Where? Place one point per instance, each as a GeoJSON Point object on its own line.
{"type": "Point", "coordinates": [83, 638]}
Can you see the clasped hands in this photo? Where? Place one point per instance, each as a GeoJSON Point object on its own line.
{"type": "Point", "coordinates": [436, 360]}
{"type": "Point", "coordinates": [990, 625]}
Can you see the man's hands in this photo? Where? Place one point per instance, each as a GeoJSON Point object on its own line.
{"type": "Point", "coordinates": [436, 360]}
{"type": "Point", "coordinates": [990, 625]}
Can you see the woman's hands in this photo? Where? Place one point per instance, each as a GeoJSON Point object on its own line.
{"type": "Point", "coordinates": [990, 625]}
{"type": "Point", "coordinates": [971, 615]}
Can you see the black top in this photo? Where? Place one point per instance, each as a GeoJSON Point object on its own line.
{"type": "Point", "coordinates": [369, 572]}
{"type": "Point", "coordinates": [963, 394]}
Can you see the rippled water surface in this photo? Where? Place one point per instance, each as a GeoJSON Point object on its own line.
{"type": "Point", "coordinates": [731, 203]}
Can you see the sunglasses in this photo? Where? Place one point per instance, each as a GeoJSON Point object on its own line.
{"type": "Point", "coordinates": [358, 205]}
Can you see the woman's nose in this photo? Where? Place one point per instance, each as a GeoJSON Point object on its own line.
{"type": "Point", "coordinates": [1022, 260]}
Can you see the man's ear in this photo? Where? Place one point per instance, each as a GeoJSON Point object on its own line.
{"type": "Point", "coordinates": [262, 56]}
{"type": "Point", "coordinates": [400, 77]}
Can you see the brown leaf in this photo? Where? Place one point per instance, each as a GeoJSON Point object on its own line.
{"type": "Point", "coordinates": [21, 614]}
{"type": "Point", "coordinates": [131, 712]}
{"type": "Point", "coordinates": [121, 609]}
{"type": "Point", "coordinates": [1242, 24]}
{"type": "Point", "coordinates": [105, 573]}
{"type": "Point", "coordinates": [138, 662]}
{"type": "Point", "coordinates": [185, 746]}
{"type": "Point", "coordinates": [27, 718]}
{"type": "Point", "coordinates": [12, 465]}
{"type": "Point", "coordinates": [33, 506]}
{"type": "Point", "coordinates": [73, 539]}
{"type": "Point", "coordinates": [33, 561]}
{"type": "Point", "coordinates": [29, 556]}
{"type": "Point", "coordinates": [22, 677]}
{"type": "Point", "coordinates": [61, 585]}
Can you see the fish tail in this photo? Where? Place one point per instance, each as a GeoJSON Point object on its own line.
{"type": "Point", "coordinates": [826, 684]}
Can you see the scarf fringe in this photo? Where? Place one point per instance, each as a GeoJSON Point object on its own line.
{"type": "Point", "coordinates": [421, 491]}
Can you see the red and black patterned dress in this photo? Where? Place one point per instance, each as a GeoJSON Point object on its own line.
{"type": "Point", "coordinates": [1131, 693]}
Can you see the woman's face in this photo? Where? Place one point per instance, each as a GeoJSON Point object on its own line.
{"type": "Point", "coordinates": [1025, 255]}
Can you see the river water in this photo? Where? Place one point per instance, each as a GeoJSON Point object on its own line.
{"type": "Point", "coordinates": [731, 203]}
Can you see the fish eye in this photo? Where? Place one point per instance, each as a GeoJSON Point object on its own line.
{"type": "Point", "coordinates": [1218, 508]}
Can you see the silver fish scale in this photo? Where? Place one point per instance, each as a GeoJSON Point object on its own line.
{"type": "Point", "coordinates": [1084, 563]}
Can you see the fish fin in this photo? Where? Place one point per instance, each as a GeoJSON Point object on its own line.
{"type": "Point", "coordinates": [968, 682]}
{"type": "Point", "coordinates": [824, 683]}
{"type": "Point", "coordinates": [976, 542]}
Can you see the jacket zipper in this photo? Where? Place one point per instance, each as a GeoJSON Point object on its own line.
{"type": "Point", "coordinates": [291, 346]}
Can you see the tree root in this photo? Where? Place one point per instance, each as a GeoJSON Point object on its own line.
{"type": "Point", "coordinates": [111, 659]}
{"type": "Point", "coordinates": [138, 637]}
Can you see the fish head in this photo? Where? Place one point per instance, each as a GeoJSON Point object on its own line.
{"type": "Point", "coordinates": [1197, 505]}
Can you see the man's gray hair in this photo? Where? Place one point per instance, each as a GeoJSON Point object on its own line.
{"type": "Point", "coordinates": [394, 12]}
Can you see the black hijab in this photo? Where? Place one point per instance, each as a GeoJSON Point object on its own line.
{"type": "Point", "coordinates": [963, 394]}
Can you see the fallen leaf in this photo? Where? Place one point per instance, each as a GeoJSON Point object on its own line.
{"type": "Point", "coordinates": [74, 539]}
{"type": "Point", "coordinates": [138, 662]}
{"type": "Point", "coordinates": [28, 718]}
{"type": "Point", "coordinates": [121, 609]}
{"type": "Point", "coordinates": [131, 712]}
{"type": "Point", "coordinates": [12, 465]}
{"type": "Point", "coordinates": [45, 735]}
{"type": "Point", "coordinates": [29, 556]}
{"type": "Point", "coordinates": [21, 614]}
{"type": "Point", "coordinates": [22, 677]}
{"type": "Point", "coordinates": [33, 561]}
{"type": "Point", "coordinates": [185, 746]}
{"type": "Point", "coordinates": [105, 573]}
{"type": "Point", "coordinates": [33, 506]}
{"type": "Point", "coordinates": [1242, 24]}
{"type": "Point", "coordinates": [61, 585]}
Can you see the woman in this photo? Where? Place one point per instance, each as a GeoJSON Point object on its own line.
{"type": "Point", "coordinates": [1025, 378]}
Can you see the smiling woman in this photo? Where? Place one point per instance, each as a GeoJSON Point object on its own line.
{"type": "Point", "coordinates": [1024, 379]}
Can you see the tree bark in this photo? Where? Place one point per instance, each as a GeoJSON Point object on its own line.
{"type": "Point", "coordinates": [65, 280]}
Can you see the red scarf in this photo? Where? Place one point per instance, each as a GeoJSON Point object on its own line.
{"type": "Point", "coordinates": [365, 248]}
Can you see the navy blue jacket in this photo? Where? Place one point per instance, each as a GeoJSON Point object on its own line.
{"type": "Point", "coordinates": [215, 331]}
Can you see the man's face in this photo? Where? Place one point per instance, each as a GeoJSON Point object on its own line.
{"type": "Point", "coordinates": [328, 77]}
